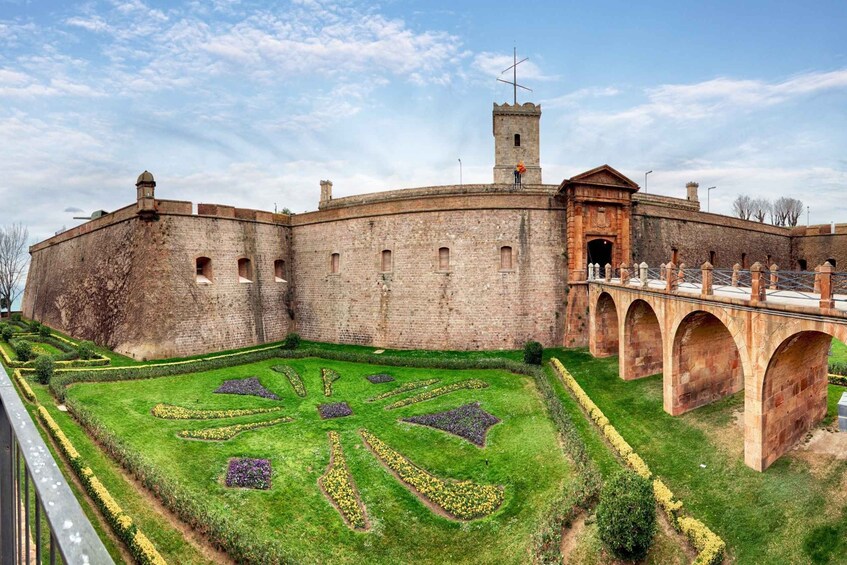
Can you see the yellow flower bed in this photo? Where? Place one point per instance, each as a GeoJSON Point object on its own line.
{"type": "Point", "coordinates": [665, 498]}
{"type": "Point", "coordinates": [24, 386]}
{"type": "Point", "coordinates": [328, 376]}
{"type": "Point", "coordinates": [64, 443]}
{"type": "Point", "coordinates": [617, 441]}
{"type": "Point", "coordinates": [638, 465]}
{"type": "Point", "coordinates": [403, 388]}
{"type": "Point", "coordinates": [338, 486]}
{"type": "Point", "coordinates": [465, 500]}
{"type": "Point", "coordinates": [171, 412]}
{"type": "Point", "coordinates": [224, 433]}
{"type": "Point", "coordinates": [430, 394]}
{"type": "Point", "coordinates": [710, 546]}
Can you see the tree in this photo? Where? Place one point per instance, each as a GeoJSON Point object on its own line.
{"type": "Point", "coordinates": [743, 206]}
{"type": "Point", "coordinates": [626, 515]}
{"type": "Point", "coordinates": [793, 211]}
{"type": "Point", "coordinates": [13, 263]}
{"type": "Point", "coordinates": [761, 207]}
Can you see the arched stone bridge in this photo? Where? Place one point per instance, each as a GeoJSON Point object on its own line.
{"type": "Point", "coordinates": [710, 341]}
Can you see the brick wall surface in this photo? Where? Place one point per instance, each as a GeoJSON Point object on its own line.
{"type": "Point", "coordinates": [644, 347]}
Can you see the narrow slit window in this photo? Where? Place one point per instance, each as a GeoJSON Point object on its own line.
{"type": "Point", "coordinates": [335, 263]}
{"type": "Point", "coordinates": [712, 258]}
{"type": "Point", "coordinates": [279, 271]}
{"type": "Point", "coordinates": [803, 264]}
{"type": "Point", "coordinates": [517, 140]}
{"type": "Point", "coordinates": [831, 261]}
{"type": "Point", "coordinates": [444, 259]}
{"type": "Point", "coordinates": [768, 262]}
{"type": "Point", "coordinates": [203, 270]}
{"type": "Point", "coordinates": [743, 260]}
{"type": "Point", "coordinates": [386, 261]}
{"type": "Point", "coordinates": [675, 256]}
{"type": "Point", "coordinates": [245, 270]}
{"type": "Point", "coordinates": [505, 258]}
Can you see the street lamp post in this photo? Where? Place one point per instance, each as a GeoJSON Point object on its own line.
{"type": "Point", "coordinates": [460, 172]}
{"type": "Point", "coordinates": [708, 198]}
{"type": "Point", "coordinates": [645, 179]}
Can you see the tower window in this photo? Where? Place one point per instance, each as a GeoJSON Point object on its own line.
{"type": "Point", "coordinates": [203, 273]}
{"type": "Point", "coordinates": [245, 270]}
{"type": "Point", "coordinates": [386, 261]}
{"type": "Point", "coordinates": [712, 258]}
{"type": "Point", "coordinates": [517, 140]}
{"type": "Point", "coordinates": [444, 259]}
{"type": "Point", "coordinates": [335, 264]}
{"type": "Point", "coordinates": [279, 270]}
{"type": "Point", "coordinates": [505, 258]}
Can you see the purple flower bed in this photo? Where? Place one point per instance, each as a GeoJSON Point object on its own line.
{"type": "Point", "coordinates": [380, 378]}
{"type": "Point", "coordinates": [468, 421]}
{"type": "Point", "coordinates": [249, 386]}
{"type": "Point", "coordinates": [249, 473]}
{"type": "Point", "coordinates": [334, 410]}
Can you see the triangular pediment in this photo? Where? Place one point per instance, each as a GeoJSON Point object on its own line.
{"type": "Point", "coordinates": [604, 175]}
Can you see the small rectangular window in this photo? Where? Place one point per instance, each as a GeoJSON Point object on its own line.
{"type": "Point", "coordinates": [335, 264]}
{"type": "Point", "coordinates": [712, 258]}
{"type": "Point", "coordinates": [203, 270]}
{"type": "Point", "coordinates": [505, 258]}
{"type": "Point", "coordinates": [444, 259]}
{"type": "Point", "coordinates": [743, 260]}
{"type": "Point", "coordinates": [386, 261]}
{"type": "Point", "coordinates": [245, 270]}
{"type": "Point", "coordinates": [279, 270]}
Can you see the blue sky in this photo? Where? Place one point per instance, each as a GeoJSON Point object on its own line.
{"type": "Point", "coordinates": [252, 104]}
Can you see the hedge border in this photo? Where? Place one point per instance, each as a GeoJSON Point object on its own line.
{"type": "Point", "coordinates": [67, 347]}
{"type": "Point", "coordinates": [710, 547]}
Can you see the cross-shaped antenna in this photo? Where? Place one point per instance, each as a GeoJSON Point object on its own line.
{"type": "Point", "coordinates": [514, 82]}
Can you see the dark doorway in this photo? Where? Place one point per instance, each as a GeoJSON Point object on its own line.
{"type": "Point", "coordinates": [600, 251]}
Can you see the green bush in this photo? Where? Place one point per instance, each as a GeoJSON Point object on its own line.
{"type": "Point", "coordinates": [23, 349]}
{"type": "Point", "coordinates": [34, 326]}
{"type": "Point", "coordinates": [292, 341]}
{"type": "Point", "coordinates": [626, 515]}
{"type": "Point", "coordinates": [7, 332]}
{"type": "Point", "coordinates": [43, 369]}
{"type": "Point", "coordinates": [16, 317]}
{"type": "Point", "coordinates": [43, 331]}
{"type": "Point", "coordinates": [85, 350]}
{"type": "Point", "coordinates": [532, 353]}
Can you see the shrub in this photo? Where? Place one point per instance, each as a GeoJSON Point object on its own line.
{"type": "Point", "coordinates": [23, 350]}
{"type": "Point", "coordinates": [532, 353]}
{"type": "Point", "coordinates": [43, 369]}
{"type": "Point", "coordinates": [292, 341]}
{"type": "Point", "coordinates": [16, 317]}
{"type": "Point", "coordinates": [85, 350]}
{"type": "Point", "coordinates": [7, 332]}
{"type": "Point", "coordinates": [626, 515]}
{"type": "Point", "coordinates": [34, 326]}
{"type": "Point", "coordinates": [43, 331]}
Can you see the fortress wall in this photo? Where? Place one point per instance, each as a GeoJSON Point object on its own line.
{"type": "Point", "coordinates": [815, 248]}
{"type": "Point", "coordinates": [656, 230]}
{"type": "Point", "coordinates": [473, 305]}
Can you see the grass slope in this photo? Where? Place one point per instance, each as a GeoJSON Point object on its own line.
{"type": "Point", "coordinates": [522, 455]}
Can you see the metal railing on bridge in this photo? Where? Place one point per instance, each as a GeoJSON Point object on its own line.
{"type": "Point", "coordinates": [40, 519]}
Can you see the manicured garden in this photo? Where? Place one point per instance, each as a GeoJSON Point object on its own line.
{"type": "Point", "coordinates": [439, 488]}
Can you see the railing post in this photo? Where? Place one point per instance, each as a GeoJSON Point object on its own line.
{"type": "Point", "coordinates": [670, 278]}
{"type": "Point", "coordinates": [7, 501]}
{"type": "Point", "coordinates": [590, 272]}
{"type": "Point", "coordinates": [706, 270]}
{"type": "Point", "coordinates": [642, 268]}
{"type": "Point", "coordinates": [774, 276]}
{"type": "Point", "coordinates": [826, 286]}
{"type": "Point", "coordinates": [596, 271]}
{"type": "Point", "coordinates": [662, 272]}
{"type": "Point", "coordinates": [757, 283]}
{"type": "Point", "coordinates": [608, 272]}
{"type": "Point", "coordinates": [818, 279]}
{"type": "Point", "coordinates": [680, 275]}
{"type": "Point", "coordinates": [735, 269]}
{"type": "Point", "coordinates": [624, 274]}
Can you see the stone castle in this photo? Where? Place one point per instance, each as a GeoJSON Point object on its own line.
{"type": "Point", "coordinates": [449, 267]}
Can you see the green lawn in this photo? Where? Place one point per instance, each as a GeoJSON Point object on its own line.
{"type": "Point", "coordinates": [779, 516]}
{"type": "Point", "coordinates": [522, 455]}
{"type": "Point", "coordinates": [839, 352]}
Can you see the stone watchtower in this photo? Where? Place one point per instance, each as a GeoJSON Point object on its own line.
{"type": "Point", "coordinates": [145, 194]}
{"type": "Point", "coordinates": [516, 139]}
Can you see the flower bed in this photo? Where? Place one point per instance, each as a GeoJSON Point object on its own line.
{"type": "Point", "coordinates": [469, 384]}
{"type": "Point", "coordinates": [249, 386]}
{"type": "Point", "coordinates": [464, 500]}
{"type": "Point", "coordinates": [468, 421]}
{"type": "Point", "coordinates": [338, 486]}
{"type": "Point", "coordinates": [293, 377]}
{"type": "Point", "coordinates": [171, 412]}
{"type": "Point", "coordinates": [334, 410]}
{"type": "Point", "coordinates": [328, 376]}
{"type": "Point", "coordinates": [249, 473]}
{"type": "Point", "coordinates": [414, 385]}
{"type": "Point", "coordinates": [380, 378]}
{"type": "Point", "coordinates": [224, 433]}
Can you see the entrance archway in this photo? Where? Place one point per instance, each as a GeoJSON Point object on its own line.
{"type": "Point", "coordinates": [600, 251]}
{"type": "Point", "coordinates": [641, 354]}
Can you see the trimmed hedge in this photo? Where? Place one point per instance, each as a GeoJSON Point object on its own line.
{"type": "Point", "coordinates": [626, 515]}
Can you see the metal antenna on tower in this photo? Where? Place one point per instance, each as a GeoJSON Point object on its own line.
{"type": "Point", "coordinates": [514, 81]}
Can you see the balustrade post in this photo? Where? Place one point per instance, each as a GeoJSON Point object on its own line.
{"type": "Point", "coordinates": [826, 286]}
{"type": "Point", "coordinates": [662, 272]}
{"type": "Point", "coordinates": [735, 269]}
{"type": "Point", "coordinates": [608, 272]}
{"type": "Point", "coordinates": [624, 274]}
{"type": "Point", "coordinates": [818, 279]}
{"type": "Point", "coordinates": [643, 272]}
{"type": "Point", "coordinates": [774, 277]}
{"type": "Point", "coordinates": [670, 278]}
{"type": "Point", "coordinates": [758, 292]}
{"type": "Point", "coordinates": [680, 276]}
{"type": "Point", "coordinates": [590, 272]}
{"type": "Point", "coordinates": [706, 271]}
{"type": "Point", "coordinates": [596, 271]}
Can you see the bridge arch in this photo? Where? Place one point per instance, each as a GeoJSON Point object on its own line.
{"type": "Point", "coordinates": [642, 350]}
{"type": "Point", "coordinates": [604, 337]}
{"type": "Point", "coordinates": [706, 362]}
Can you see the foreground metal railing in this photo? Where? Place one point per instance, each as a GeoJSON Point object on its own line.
{"type": "Point", "coordinates": [40, 519]}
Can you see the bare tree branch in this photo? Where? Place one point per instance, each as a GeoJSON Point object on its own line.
{"type": "Point", "coordinates": [761, 208]}
{"type": "Point", "coordinates": [742, 207]}
{"type": "Point", "coordinates": [14, 258]}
